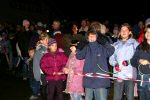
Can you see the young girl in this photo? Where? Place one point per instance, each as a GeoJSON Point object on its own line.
{"type": "Point", "coordinates": [52, 64]}
{"type": "Point", "coordinates": [41, 49]}
{"type": "Point", "coordinates": [142, 58]}
{"type": "Point", "coordinates": [124, 50]}
{"type": "Point", "coordinates": [74, 82]}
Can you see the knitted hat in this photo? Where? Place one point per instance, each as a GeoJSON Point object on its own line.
{"type": "Point", "coordinates": [51, 41]}
{"type": "Point", "coordinates": [147, 21]}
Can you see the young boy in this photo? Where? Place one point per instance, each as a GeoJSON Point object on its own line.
{"type": "Point", "coordinates": [35, 85]}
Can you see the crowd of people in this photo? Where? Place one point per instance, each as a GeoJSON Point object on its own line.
{"type": "Point", "coordinates": [56, 61]}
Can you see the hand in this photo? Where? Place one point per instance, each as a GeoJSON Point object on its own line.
{"type": "Point", "coordinates": [60, 73]}
{"type": "Point", "coordinates": [143, 62]}
{"type": "Point", "coordinates": [71, 72]}
{"type": "Point", "coordinates": [73, 48]}
{"type": "Point", "coordinates": [66, 70]}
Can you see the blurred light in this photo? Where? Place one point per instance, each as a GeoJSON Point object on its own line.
{"type": "Point", "coordinates": [47, 31]}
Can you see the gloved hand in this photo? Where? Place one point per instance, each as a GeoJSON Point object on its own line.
{"type": "Point", "coordinates": [117, 68]}
{"type": "Point", "coordinates": [81, 44]}
{"type": "Point", "coordinates": [126, 62]}
{"type": "Point", "coordinates": [102, 39]}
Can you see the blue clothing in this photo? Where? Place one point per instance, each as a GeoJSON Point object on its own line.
{"type": "Point", "coordinates": [75, 96]}
{"type": "Point", "coordinates": [123, 51]}
{"type": "Point", "coordinates": [95, 54]}
{"type": "Point", "coordinates": [36, 62]}
{"type": "Point", "coordinates": [99, 93]}
{"type": "Point", "coordinates": [144, 70]}
{"type": "Point", "coordinates": [35, 87]}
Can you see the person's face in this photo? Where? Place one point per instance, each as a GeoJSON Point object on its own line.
{"type": "Point", "coordinates": [125, 32]}
{"type": "Point", "coordinates": [31, 53]}
{"type": "Point", "coordinates": [116, 30]}
{"type": "Point", "coordinates": [45, 41]}
{"type": "Point", "coordinates": [74, 28]}
{"type": "Point", "coordinates": [147, 35]}
{"type": "Point", "coordinates": [92, 37]}
{"type": "Point", "coordinates": [83, 23]}
{"type": "Point", "coordinates": [56, 25]}
{"type": "Point", "coordinates": [53, 47]}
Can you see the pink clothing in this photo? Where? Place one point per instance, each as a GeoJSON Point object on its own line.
{"type": "Point", "coordinates": [74, 82]}
{"type": "Point", "coordinates": [53, 62]}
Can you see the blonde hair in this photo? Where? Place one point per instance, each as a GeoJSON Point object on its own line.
{"type": "Point", "coordinates": [96, 26]}
{"type": "Point", "coordinates": [42, 36]}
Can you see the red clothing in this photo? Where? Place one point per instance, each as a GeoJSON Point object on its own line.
{"type": "Point", "coordinates": [53, 62]}
{"type": "Point", "coordinates": [58, 37]}
{"type": "Point", "coordinates": [141, 38]}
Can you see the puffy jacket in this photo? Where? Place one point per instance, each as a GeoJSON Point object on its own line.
{"type": "Point", "coordinates": [53, 62]}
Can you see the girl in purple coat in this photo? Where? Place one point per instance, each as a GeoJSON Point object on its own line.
{"type": "Point", "coordinates": [52, 64]}
{"type": "Point", "coordinates": [74, 82]}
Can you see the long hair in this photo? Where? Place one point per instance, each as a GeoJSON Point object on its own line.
{"type": "Point", "coordinates": [144, 45]}
{"type": "Point", "coordinates": [129, 28]}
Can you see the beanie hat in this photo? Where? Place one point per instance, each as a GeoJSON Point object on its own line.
{"type": "Point", "coordinates": [147, 21]}
{"type": "Point", "coordinates": [51, 41]}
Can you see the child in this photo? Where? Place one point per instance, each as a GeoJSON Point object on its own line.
{"type": "Point", "coordinates": [95, 53]}
{"type": "Point", "coordinates": [41, 49]}
{"type": "Point", "coordinates": [52, 64]}
{"type": "Point", "coordinates": [124, 50]}
{"type": "Point", "coordinates": [35, 85]}
{"type": "Point", "coordinates": [142, 56]}
{"type": "Point", "coordinates": [74, 82]}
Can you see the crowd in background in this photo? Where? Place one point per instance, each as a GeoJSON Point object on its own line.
{"type": "Point", "coordinates": [48, 55]}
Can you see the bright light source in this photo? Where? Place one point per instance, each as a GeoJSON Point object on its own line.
{"type": "Point", "coordinates": [47, 31]}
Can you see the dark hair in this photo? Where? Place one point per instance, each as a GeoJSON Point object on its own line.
{"type": "Point", "coordinates": [144, 45]}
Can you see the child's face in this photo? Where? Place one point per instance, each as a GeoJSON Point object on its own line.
{"type": "Point", "coordinates": [92, 37]}
{"type": "Point", "coordinates": [53, 47]}
{"type": "Point", "coordinates": [147, 35]}
{"type": "Point", "coordinates": [31, 53]}
{"type": "Point", "coordinates": [45, 41]}
{"type": "Point", "coordinates": [125, 32]}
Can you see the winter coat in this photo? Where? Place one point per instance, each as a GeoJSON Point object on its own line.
{"type": "Point", "coordinates": [53, 62]}
{"type": "Point", "coordinates": [75, 82]}
{"type": "Point", "coordinates": [123, 51]}
{"type": "Point", "coordinates": [95, 56]}
{"type": "Point", "coordinates": [143, 70]}
{"type": "Point", "coordinates": [40, 51]}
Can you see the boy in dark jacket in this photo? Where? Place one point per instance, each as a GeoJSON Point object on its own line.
{"type": "Point", "coordinates": [35, 85]}
{"type": "Point", "coordinates": [95, 54]}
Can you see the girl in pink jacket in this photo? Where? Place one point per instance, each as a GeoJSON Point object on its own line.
{"type": "Point", "coordinates": [74, 82]}
{"type": "Point", "coordinates": [52, 64]}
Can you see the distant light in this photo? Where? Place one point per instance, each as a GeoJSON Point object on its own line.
{"type": "Point", "coordinates": [47, 31]}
